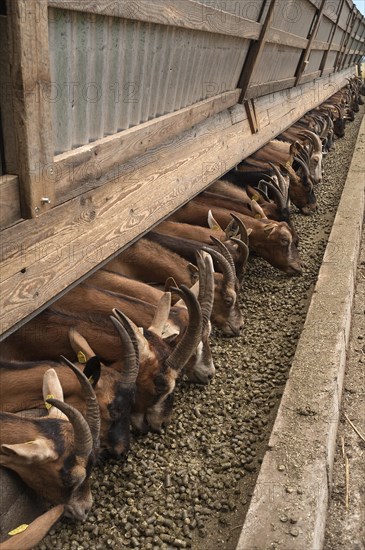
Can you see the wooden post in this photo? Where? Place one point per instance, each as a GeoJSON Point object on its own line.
{"type": "Point", "coordinates": [30, 81]}
{"type": "Point", "coordinates": [306, 53]}
{"type": "Point", "coordinates": [332, 35]}
{"type": "Point", "coordinates": [254, 53]}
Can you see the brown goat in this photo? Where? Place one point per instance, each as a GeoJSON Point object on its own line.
{"type": "Point", "coordinates": [272, 241]}
{"type": "Point", "coordinates": [53, 333]}
{"type": "Point", "coordinates": [54, 456]}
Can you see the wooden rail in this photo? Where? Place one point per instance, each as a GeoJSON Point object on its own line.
{"type": "Point", "coordinates": [64, 214]}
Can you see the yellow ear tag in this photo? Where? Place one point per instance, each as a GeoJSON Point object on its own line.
{"type": "Point", "coordinates": [258, 216]}
{"type": "Point", "coordinates": [255, 197]}
{"type": "Point", "coordinates": [288, 164]}
{"type": "Point", "coordinates": [81, 357]}
{"type": "Point", "coordinates": [215, 228]}
{"type": "Point", "coordinates": [48, 405]}
{"type": "Point", "coordinates": [19, 529]}
{"type": "Point", "coordinates": [91, 380]}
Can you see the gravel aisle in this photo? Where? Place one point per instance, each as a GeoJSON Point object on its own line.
{"type": "Point", "coordinates": [191, 486]}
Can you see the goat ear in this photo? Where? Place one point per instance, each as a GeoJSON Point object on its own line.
{"type": "Point", "coordinates": [170, 281]}
{"type": "Point", "coordinates": [38, 450]}
{"type": "Point", "coordinates": [162, 313]}
{"type": "Point", "coordinates": [79, 344]}
{"type": "Point", "coordinates": [212, 223]}
{"type": "Point", "coordinates": [52, 388]}
{"type": "Point", "coordinates": [92, 370]}
{"type": "Point", "coordinates": [295, 148]}
{"type": "Point", "coordinates": [268, 229]}
{"type": "Point", "coordinates": [194, 272]}
{"type": "Point", "coordinates": [231, 230]}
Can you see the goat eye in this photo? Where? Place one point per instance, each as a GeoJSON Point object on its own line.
{"type": "Point", "coordinates": [229, 300]}
{"type": "Point", "coordinates": [284, 242]}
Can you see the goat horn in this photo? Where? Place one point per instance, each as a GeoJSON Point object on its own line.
{"type": "Point", "coordinates": [303, 165]}
{"type": "Point", "coordinates": [192, 335]}
{"type": "Point", "coordinates": [83, 438]}
{"type": "Point", "coordinates": [314, 138]}
{"type": "Point", "coordinates": [206, 302]}
{"type": "Point", "coordinates": [130, 347]}
{"type": "Point", "coordinates": [244, 233]}
{"type": "Point", "coordinates": [201, 268]}
{"type": "Point", "coordinates": [284, 188]}
{"type": "Point", "coordinates": [225, 252]}
{"type": "Point", "coordinates": [244, 258]}
{"type": "Point", "coordinates": [92, 406]}
{"type": "Point", "coordinates": [229, 277]}
{"type": "Point", "coordinates": [262, 190]}
{"type": "Point", "coordinates": [281, 202]}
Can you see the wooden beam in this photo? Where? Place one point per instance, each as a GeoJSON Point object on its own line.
{"type": "Point", "coordinates": [319, 46]}
{"type": "Point", "coordinates": [42, 257]}
{"type": "Point", "coordinates": [304, 60]}
{"type": "Point", "coordinates": [188, 14]}
{"type": "Point", "coordinates": [249, 105]}
{"type": "Point", "coordinates": [277, 36]}
{"type": "Point", "coordinates": [254, 53]}
{"type": "Point", "coordinates": [269, 87]}
{"type": "Point", "coordinates": [332, 35]}
{"type": "Point", "coordinates": [30, 76]}
{"type": "Point", "coordinates": [91, 165]}
{"type": "Point", "coordinates": [175, 13]}
{"type": "Point", "coordinates": [9, 201]}
{"type": "Point", "coordinates": [310, 76]}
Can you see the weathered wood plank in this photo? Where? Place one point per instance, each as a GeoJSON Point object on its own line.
{"type": "Point", "coordinates": [309, 77]}
{"type": "Point", "coordinates": [269, 87]}
{"type": "Point", "coordinates": [277, 36]}
{"type": "Point", "coordinates": [9, 201]}
{"type": "Point", "coordinates": [7, 119]}
{"type": "Point", "coordinates": [176, 13]}
{"type": "Point", "coordinates": [42, 257]}
{"type": "Point", "coordinates": [30, 76]}
{"type": "Point", "coordinates": [89, 166]}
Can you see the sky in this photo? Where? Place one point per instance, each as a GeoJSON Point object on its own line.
{"type": "Point", "coordinates": [360, 4]}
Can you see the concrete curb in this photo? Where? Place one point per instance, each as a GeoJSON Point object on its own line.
{"type": "Point", "coordinates": [289, 505]}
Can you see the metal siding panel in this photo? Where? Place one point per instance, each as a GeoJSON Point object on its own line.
{"type": "Point", "coordinates": [81, 53]}
{"type": "Point", "coordinates": [128, 72]}
{"type": "Point", "coordinates": [276, 63]}
{"type": "Point", "coordinates": [315, 59]}
{"type": "Point", "coordinates": [59, 40]}
{"type": "Point", "coordinates": [294, 17]}
{"type": "Point", "coordinates": [324, 30]}
{"type": "Point", "coordinates": [330, 60]}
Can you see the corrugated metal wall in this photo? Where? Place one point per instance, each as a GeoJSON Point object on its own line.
{"type": "Point", "coordinates": [110, 74]}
